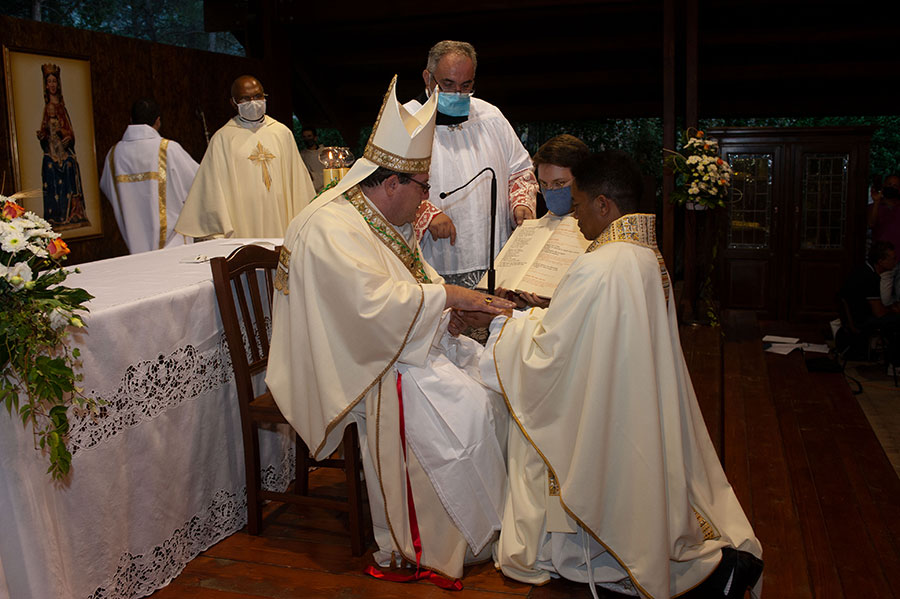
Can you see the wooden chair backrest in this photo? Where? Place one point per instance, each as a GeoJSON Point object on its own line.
{"type": "Point", "coordinates": [244, 287]}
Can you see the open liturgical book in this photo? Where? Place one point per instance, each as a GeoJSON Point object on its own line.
{"type": "Point", "coordinates": [538, 254]}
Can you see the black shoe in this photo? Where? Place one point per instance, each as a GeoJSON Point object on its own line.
{"type": "Point", "coordinates": [738, 571]}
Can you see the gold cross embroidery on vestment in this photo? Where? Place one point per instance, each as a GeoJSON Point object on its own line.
{"type": "Point", "coordinates": [262, 156]}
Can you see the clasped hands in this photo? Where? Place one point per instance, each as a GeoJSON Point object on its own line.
{"type": "Point", "coordinates": [472, 308]}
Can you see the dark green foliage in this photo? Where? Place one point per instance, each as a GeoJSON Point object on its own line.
{"type": "Point", "coordinates": [885, 150]}
{"type": "Point", "coordinates": [175, 22]}
{"type": "Point", "coordinates": [327, 137]}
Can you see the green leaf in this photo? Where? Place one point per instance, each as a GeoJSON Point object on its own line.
{"type": "Point", "coordinates": [59, 418]}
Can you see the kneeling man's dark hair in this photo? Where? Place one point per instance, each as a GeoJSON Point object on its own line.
{"type": "Point", "coordinates": [613, 174]}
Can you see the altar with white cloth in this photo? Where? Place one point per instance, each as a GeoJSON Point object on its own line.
{"type": "Point", "coordinates": [158, 477]}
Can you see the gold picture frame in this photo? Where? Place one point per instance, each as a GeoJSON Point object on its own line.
{"type": "Point", "coordinates": [51, 125]}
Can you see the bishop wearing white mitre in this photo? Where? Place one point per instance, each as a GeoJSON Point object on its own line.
{"type": "Point", "coordinates": [360, 335]}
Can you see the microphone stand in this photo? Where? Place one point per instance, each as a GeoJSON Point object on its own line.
{"type": "Point", "coordinates": [492, 273]}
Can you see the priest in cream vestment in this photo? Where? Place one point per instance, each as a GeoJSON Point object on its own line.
{"type": "Point", "coordinates": [251, 181]}
{"type": "Point", "coordinates": [610, 463]}
{"type": "Point", "coordinates": [359, 336]}
{"type": "Point", "coordinates": [146, 179]}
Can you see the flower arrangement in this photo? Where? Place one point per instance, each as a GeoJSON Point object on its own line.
{"type": "Point", "coordinates": [701, 176]}
{"type": "Point", "coordinates": [37, 369]}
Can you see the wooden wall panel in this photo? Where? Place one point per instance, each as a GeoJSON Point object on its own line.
{"type": "Point", "coordinates": [125, 69]}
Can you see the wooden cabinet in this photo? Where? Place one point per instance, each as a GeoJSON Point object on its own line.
{"type": "Point", "coordinates": [796, 218]}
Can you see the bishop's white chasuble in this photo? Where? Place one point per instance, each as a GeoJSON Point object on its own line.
{"type": "Point", "coordinates": [355, 308]}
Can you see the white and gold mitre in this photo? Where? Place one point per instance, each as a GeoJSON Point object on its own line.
{"type": "Point", "coordinates": [401, 140]}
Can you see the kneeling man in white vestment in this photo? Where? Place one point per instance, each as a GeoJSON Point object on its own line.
{"type": "Point", "coordinates": [360, 336]}
{"type": "Point", "coordinates": [613, 480]}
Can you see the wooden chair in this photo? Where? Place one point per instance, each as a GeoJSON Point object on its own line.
{"type": "Point", "coordinates": [247, 276]}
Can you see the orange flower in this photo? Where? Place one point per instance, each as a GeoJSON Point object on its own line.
{"type": "Point", "coordinates": [705, 146]}
{"type": "Point", "coordinates": [700, 134]}
{"type": "Point", "coordinates": [57, 248]}
{"type": "Point", "coordinates": [12, 210]}
{"type": "Point", "coordinates": [719, 161]}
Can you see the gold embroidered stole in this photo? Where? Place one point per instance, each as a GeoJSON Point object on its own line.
{"type": "Point", "coordinates": [385, 232]}
{"type": "Point", "coordinates": [639, 229]}
{"type": "Point", "coordinates": [159, 175]}
{"type": "Point", "coordinates": [282, 270]}
{"type": "Point", "coordinates": [163, 225]}
{"type": "Point", "coordinates": [388, 235]}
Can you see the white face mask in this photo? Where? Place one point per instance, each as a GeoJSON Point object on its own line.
{"type": "Point", "coordinates": [253, 110]}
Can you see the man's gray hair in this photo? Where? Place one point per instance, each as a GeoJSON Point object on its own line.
{"type": "Point", "coordinates": [441, 49]}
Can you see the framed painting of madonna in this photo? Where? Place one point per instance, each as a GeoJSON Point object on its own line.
{"type": "Point", "coordinates": [51, 124]}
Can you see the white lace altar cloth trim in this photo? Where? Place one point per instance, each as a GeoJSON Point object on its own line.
{"type": "Point", "coordinates": [141, 575]}
{"type": "Point", "coordinates": [151, 387]}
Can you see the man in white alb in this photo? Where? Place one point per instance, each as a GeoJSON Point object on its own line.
{"type": "Point", "coordinates": [610, 464]}
{"type": "Point", "coordinates": [251, 181]}
{"type": "Point", "coordinates": [359, 336]}
{"type": "Point", "coordinates": [146, 179]}
{"type": "Point", "coordinates": [471, 134]}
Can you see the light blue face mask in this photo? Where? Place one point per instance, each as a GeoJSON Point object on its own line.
{"type": "Point", "coordinates": [559, 201]}
{"type": "Point", "coordinates": [454, 103]}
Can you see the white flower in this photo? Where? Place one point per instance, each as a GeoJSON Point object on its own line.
{"type": "Point", "coordinates": [18, 275]}
{"type": "Point", "coordinates": [10, 226]}
{"type": "Point", "coordinates": [12, 239]}
{"type": "Point", "coordinates": [37, 250]}
{"type": "Point", "coordinates": [59, 319]}
{"type": "Point", "coordinates": [37, 220]}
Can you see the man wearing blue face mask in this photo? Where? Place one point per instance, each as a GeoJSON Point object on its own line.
{"type": "Point", "coordinates": [251, 182]}
{"type": "Point", "coordinates": [471, 134]}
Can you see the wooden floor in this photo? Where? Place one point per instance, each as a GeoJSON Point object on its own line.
{"type": "Point", "coordinates": [819, 490]}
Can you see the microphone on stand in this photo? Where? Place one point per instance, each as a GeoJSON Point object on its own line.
{"type": "Point", "coordinates": [492, 274]}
